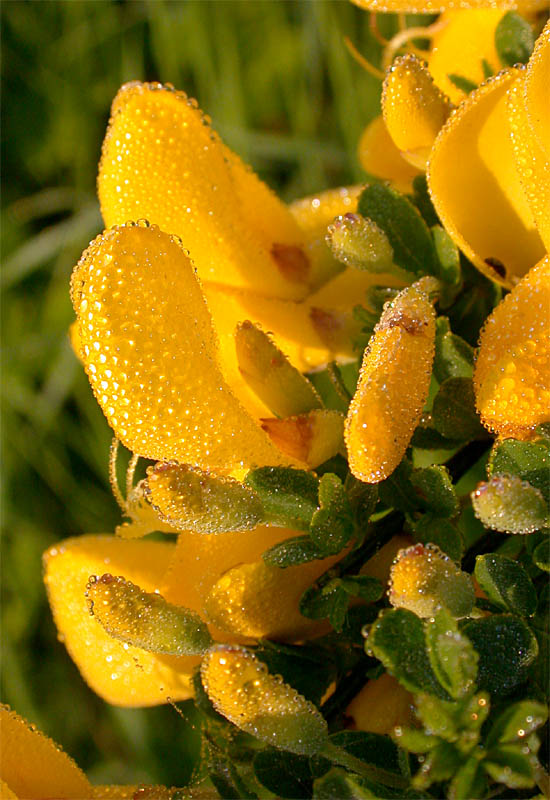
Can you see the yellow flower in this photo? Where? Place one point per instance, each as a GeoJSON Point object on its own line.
{"type": "Point", "coordinates": [33, 767]}
{"type": "Point", "coordinates": [174, 344]}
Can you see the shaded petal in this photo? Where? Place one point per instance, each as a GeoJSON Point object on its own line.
{"type": "Point", "coordinates": [380, 157]}
{"type": "Point", "coordinates": [536, 89]}
{"type": "Point", "coordinates": [308, 333]}
{"type": "Point", "coordinates": [381, 705]}
{"type": "Point", "coordinates": [414, 109]}
{"type": "Point", "coordinates": [161, 161]}
{"type": "Point", "coordinates": [436, 6]}
{"type": "Point", "coordinates": [33, 766]}
{"type": "Point", "coordinates": [459, 46]}
{"type": "Point", "coordinates": [121, 674]}
{"type": "Point", "coordinates": [476, 189]}
{"type": "Point", "coordinates": [151, 354]}
{"type": "Point", "coordinates": [349, 289]}
{"type": "Point", "coordinates": [310, 438]}
{"type": "Point", "coordinates": [512, 371]}
{"type": "Point", "coordinates": [392, 388]}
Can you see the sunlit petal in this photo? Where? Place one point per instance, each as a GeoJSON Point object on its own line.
{"type": "Point", "coordinates": [380, 157]}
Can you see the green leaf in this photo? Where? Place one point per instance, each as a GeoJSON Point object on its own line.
{"type": "Point", "coordinates": [452, 657]}
{"type": "Point", "coordinates": [425, 437]}
{"type": "Point", "coordinates": [332, 524]}
{"type": "Point", "coordinates": [408, 234]}
{"type": "Point", "coordinates": [441, 764]}
{"type": "Point", "coordinates": [448, 256]}
{"type": "Point", "coordinates": [293, 551]}
{"type": "Point", "coordinates": [289, 496]}
{"type": "Point", "coordinates": [309, 669]}
{"type": "Point", "coordinates": [371, 748]}
{"type": "Point", "coordinates": [488, 71]}
{"type": "Point", "coordinates": [541, 555]}
{"type": "Point", "coordinates": [362, 498]}
{"type": "Point", "coordinates": [462, 83]}
{"type": "Point", "coordinates": [506, 584]}
{"type": "Point", "coordinates": [508, 504]}
{"type": "Point", "coordinates": [516, 722]}
{"type": "Point", "coordinates": [329, 601]}
{"type": "Point", "coordinates": [441, 532]}
{"type": "Point", "coordinates": [285, 774]}
{"type": "Point", "coordinates": [512, 767]}
{"type": "Point", "coordinates": [339, 785]}
{"type": "Point", "coordinates": [368, 589]}
{"type": "Point", "coordinates": [454, 410]}
{"type": "Point", "coordinates": [397, 491]}
{"type": "Point", "coordinates": [435, 491]}
{"type": "Point", "coordinates": [454, 357]}
{"type": "Point", "coordinates": [225, 777]}
{"type": "Point", "coordinates": [529, 460]}
{"type": "Point", "coordinates": [474, 303]}
{"type": "Point", "coordinates": [415, 741]}
{"type": "Point", "coordinates": [506, 648]}
{"type": "Point", "coordinates": [469, 783]}
{"type": "Point", "coordinates": [514, 39]}
{"type": "Point", "coordinates": [422, 200]}
{"type": "Point", "coordinates": [397, 639]}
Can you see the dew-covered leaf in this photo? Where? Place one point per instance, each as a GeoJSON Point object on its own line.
{"type": "Point", "coordinates": [508, 764]}
{"type": "Point", "coordinates": [541, 554]}
{"type": "Point", "coordinates": [332, 524]}
{"type": "Point", "coordinates": [506, 648]}
{"type": "Point", "coordinates": [528, 460]}
{"type": "Point", "coordinates": [435, 490]}
{"type": "Point", "coordinates": [506, 583]}
{"type": "Point", "coordinates": [441, 532]}
{"type": "Point", "coordinates": [288, 496]}
{"type": "Point", "coordinates": [340, 785]}
{"type": "Point", "coordinates": [454, 410]}
{"type": "Point", "coordinates": [290, 552]}
{"type": "Point", "coordinates": [448, 256]}
{"type": "Point", "coordinates": [285, 774]}
{"type": "Point", "coordinates": [330, 601]}
{"type": "Point", "coordinates": [307, 669]}
{"type": "Point", "coordinates": [517, 721]}
{"type": "Point", "coordinates": [408, 234]}
{"type": "Point", "coordinates": [372, 748]}
{"type": "Point", "coordinates": [454, 357]}
{"type": "Point", "coordinates": [224, 775]}
{"type": "Point", "coordinates": [452, 657]}
{"type": "Point", "coordinates": [470, 781]}
{"type": "Point", "coordinates": [397, 639]}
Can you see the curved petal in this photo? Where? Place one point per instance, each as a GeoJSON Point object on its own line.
{"type": "Point", "coordinates": [380, 157]}
{"type": "Point", "coordinates": [381, 705]}
{"type": "Point", "coordinates": [536, 89]}
{"type": "Point", "coordinates": [414, 109]}
{"type": "Point", "coordinates": [121, 674]}
{"type": "Point", "coordinates": [392, 388]}
{"type": "Point", "coordinates": [532, 160]}
{"type": "Point", "coordinates": [310, 438]}
{"type": "Point", "coordinates": [161, 161]}
{"type": "Point", "coordinates": [463, 40]}
{"type": "Point", "coordinates": [512, 371]}
{"type": "Point", "coordinates": [152, 357]}
{"type": "Point", "coordinates": [208, 571]}
{"type": "Point", "coordinates": [349, 289]}
{"type": "Point", "coordinates": [33, 766]}
{"type": "Point", "coordinates": [476, 189]}
{"type": "Point", "coordinates": [437, 6]}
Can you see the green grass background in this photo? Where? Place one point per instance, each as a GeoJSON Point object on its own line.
{"type": "Point", "coordinates": [283, 92]}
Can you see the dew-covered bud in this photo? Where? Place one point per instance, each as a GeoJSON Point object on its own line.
{"type": "Point", "coordinates": [423, 578]}
{"type": "Point", "coordinates": [360, 243]}
{"type": "Point", "coordinates": [508, 504]}
{"type": "Point", "coordinates": [241, 688]}
{"type": "Point", "coordinates": [269, 373]}
{"type": "Point", "coordinates": [311, 438]}
{"type": "Point", "coordinates": [189, 499]}
{"type": "Point", "coordinates": [145, 619]}
{"type": "Point", "coordinates": [393, 386]}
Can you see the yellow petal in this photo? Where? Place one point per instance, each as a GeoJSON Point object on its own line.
{"type": "Point", "coordinates": [536, 89]}
{"type": "Point", "coordinates": [161, 161]}
{"type": "Point", "coordinates": [381, 705]}
{"type": "Point", "coordinates": [512, 371]}
{"type": "Point", "coordinates": [437, 6]}
{"type": "Point", "coordinates": [476, 189]}
{"type": "Point", "coordinates": [308, 333]}
{"type": "Point", "coordinates": [414, 109]}
{"type": "Point", "coordinates": [379, 565]}
{"type": "Point", "coordinates": [380, 157]}
{"type": "Point", "coordinates": [151, 354]}
{"type": "Point", "coordinates": [310, 438]}
{"type": "Point", "coordinates": [392, 388]}
{"type": "Point", "coordinates": [349, 289]}
{"type": "Point", "coordinates": [464, 38]}
{"type": "Point", "coordinates": [530, 140]}
{"type": "Point", "coordinates": [6, 793]}
{"type": "Point", "coordinates": [33, 766]}
{"type": "Point", "coordinates": [259, 600]}
{"type": "Point", "coordinates": [121, 674]}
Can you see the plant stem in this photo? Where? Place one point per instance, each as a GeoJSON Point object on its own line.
{"type": "Point", "coordinates": [344, 759]}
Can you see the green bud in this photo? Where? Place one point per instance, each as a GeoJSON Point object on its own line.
{"type": "Point", "coordinates": [145, 619]}
{"type": "Point", "coordinates": [360, 243]}
{"type": "Point", "coordinates": [508, 504]}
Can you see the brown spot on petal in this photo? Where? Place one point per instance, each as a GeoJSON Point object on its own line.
{"type": "Point", "coordinates": [293, 436]}
{"type": "Point", "coordinates": [496, 265]}
{"type": "Point", "coordinates": [327, 324]}
{"type": "Point", "coordinates": [292, 262]}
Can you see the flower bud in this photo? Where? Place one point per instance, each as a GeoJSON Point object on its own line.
{"type": "Point", "coordinates": [508, 504]}
{"type": "Point", "coordinates": [241, 688]}
{"type": "Point", "coordinates": [423, 578]}
{"type": "Point", "coordinates": [145, 619]}
{"type": "Point", "coordinates": [360, 243]}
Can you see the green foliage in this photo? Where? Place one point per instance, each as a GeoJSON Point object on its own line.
{"type": "Point", "coordinates": [530, 461]}
{"type": "Point", "coordinates": [454, 411]}
{"type": "Point", "coordinates": [454, 358]}
{"type": "Point", "coordinates": [293, 551]}
{"type": "Point", "coordinates": [289, 496]}
{"type": "Point", "coordinates": [514, 39]}
{"type": "Point", "coordinates": [506, 583]}
{"type": "Point", "coordinates": [408, 234]}
{"type": "Point", "coordinates": [508, 504]}
{"type": "Point", "coordinates": [448, 256]}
